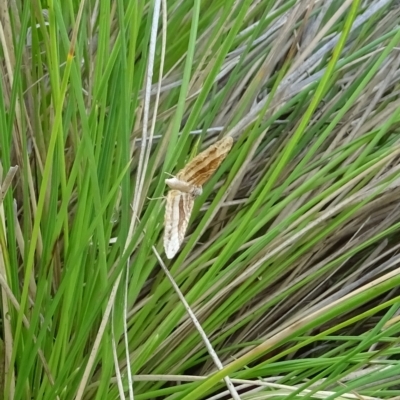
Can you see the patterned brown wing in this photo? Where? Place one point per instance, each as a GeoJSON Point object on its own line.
{"type": "Point", "coordinates": [201, 167]}
{"type": "Point", "coordinates": [178, 209]}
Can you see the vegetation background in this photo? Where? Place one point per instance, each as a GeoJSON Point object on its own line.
{"type": "Point", "coordinates": [291, 260]}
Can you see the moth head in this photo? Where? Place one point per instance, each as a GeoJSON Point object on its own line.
{"type": "Point", "coordinates": [196, 191]}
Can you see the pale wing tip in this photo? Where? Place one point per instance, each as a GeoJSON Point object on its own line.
{"type": "Point", "coordinates": [170, 251]}
{"type": "Point", "coordinates": [228, 141]}
{"type": "Point", "coordinates": [171, 247]}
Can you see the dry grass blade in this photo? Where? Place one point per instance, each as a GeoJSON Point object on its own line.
{"type": "Point", "coordinates": [199, 328]}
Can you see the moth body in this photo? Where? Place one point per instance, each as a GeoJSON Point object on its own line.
{"type": "Point", "coordinates": [178, 184]}
{"type": "Point", "coordinates": [185, 186]}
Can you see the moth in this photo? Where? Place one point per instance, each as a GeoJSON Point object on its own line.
{"type": "Point", "coordinates": [185, 187]}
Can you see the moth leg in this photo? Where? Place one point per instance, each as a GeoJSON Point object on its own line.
{"type": "Point", "coordinates": [157, 198]}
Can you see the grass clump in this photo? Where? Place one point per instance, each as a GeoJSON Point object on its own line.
{"type": "Point", "coordinates": [287, 282]}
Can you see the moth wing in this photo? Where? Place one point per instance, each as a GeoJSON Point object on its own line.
{"type": "Point", "coordinates": [200, 168]}
{"type": "Point", "coordinates": [178, 209]}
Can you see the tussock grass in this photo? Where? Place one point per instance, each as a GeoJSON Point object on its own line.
{"type": "Point", "coordinates": [290, 265]}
